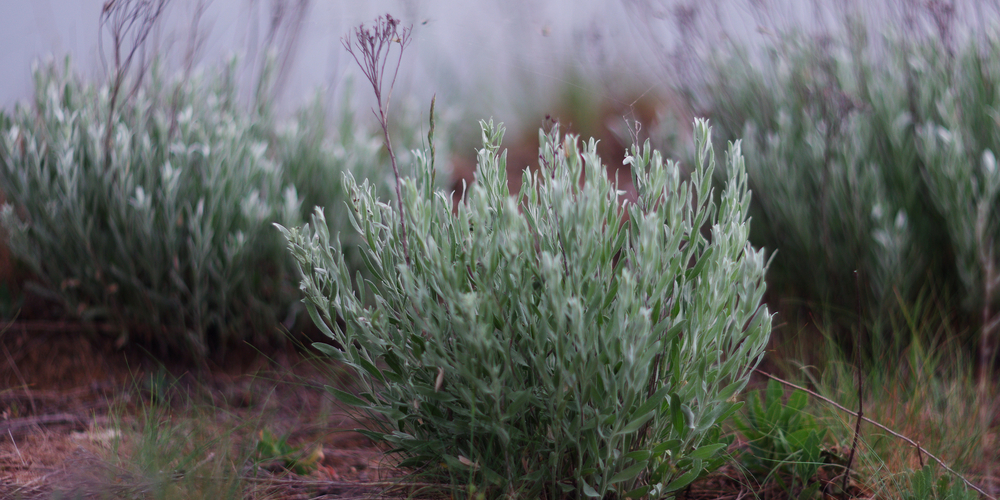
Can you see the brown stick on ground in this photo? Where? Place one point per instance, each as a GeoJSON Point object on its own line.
{"type": "Point", "coordinates": [19, 426]}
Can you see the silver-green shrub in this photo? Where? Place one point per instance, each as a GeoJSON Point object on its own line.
{"type": "Point", "coordinates": [557, 342]}
{"type": "Point", "coordinates": [168, 237]}
{"type": "Point", "coordinates": [869, 162]}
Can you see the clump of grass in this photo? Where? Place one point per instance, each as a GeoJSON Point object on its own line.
{"type": "Point", "coordinates": [161, 445]}
{"type": "Point", "coordinates": [925, 391]}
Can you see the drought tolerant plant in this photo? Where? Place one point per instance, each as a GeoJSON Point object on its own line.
{"type": "Point", "coordinates": [964, 182]}
{"type": "Point", "coordinates": [832, 167]}
{"type": "Point", "coordinates": [168, 238]}
{"type": "Point", "coordinates": [548, 344]}
{"type": "Point", "coordinates": [872, 162]}
{"type": "Point", "coordinates": [885, 165]}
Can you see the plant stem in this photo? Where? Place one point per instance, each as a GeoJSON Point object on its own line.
{"type": "Point", "coordinates": [395, 171]}
{"type": "Point", "coordinates": [123, 19]}
{"type": "Point", "coordinates": [861, 408]}
{"type": "Point", "coordinates": [374, 46]}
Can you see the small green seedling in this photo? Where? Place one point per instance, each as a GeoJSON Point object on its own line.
{"type": "Point", "coordinates": [782, 439]}
{"type": "Point", "coordinates": [273, 450]}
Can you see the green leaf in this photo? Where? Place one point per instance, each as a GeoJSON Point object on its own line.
{"type": "Point", "coordinates": [718, 415]}
{"type": "Point", "coordinates": [589, 490]}
{"type": "Point", "coordinates": [610, 295]}
{"type": "Point", "coordinates": [672, 445]}
{"type": "Point", "coordinates": [638, 492]}
{"type": "Point", "coordinates": [798, 438]}
{"type": "Point", "coordinates": [685, 479]}
{"type": "Point", "coordinates": [329, 350]}
{"type": "Point", "coordinates": [688, 416]}
{"type": "Point", "coordinates": [654, 402]}
{"type": "Point", "coordinates": [418, 345]}
{"type": "Point", "coordinates": [674, 331]}
{"type": "Point", "coordinates": [318, 321]}
{"type": "Point", "coordinates": [639, 455]}
{"type": "Point", "coordinates": [519, 399]}
{"type": "Point", "coordinates": [676, 415]}
{"type": "Point", "coordinates": [393, 362]}
{"type": "Point", "coordinates": [797, 401]}
{"type": "Point", "coordinates": [699, 266]}
{"type": "Point", "coordinates": [629, 473]}
{"type": "Point", "coordinates": [348, 398]}
{"type": "Point", "coordinates": [370, 368]}
{"type": "Point", "coordinates": [635, 424]}
{"type": "Point", "coordinates": [377, 437]}
{"type": "Point", "coordinates": [773, 394]}
{"type": "Point", "coordinates": [706, 452]}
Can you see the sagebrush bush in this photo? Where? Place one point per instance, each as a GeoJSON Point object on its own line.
{"type": "Point", "coordinates": [876, 163]}
{"type": "Point", "coordinates": [166, 235]}
{"type": "Point", "coordinates": [170, 239]}
{"type": "Point", "coordinates": [548, 344]}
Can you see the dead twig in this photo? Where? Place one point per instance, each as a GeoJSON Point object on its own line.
{"type": "Point", "coordinates": [196, 42]}
{"type": "Point", "coordinates": [339, 488]}
{"type": "Point", "coordinates": [370, 49]}
{"type": "Point", "coordinates": [128, 23]}
{"type": "Point", "coordinates": [283, 34]}
{"type": "Point", "coordinates": [861, 400]}
{"type": "Point", "coordinates": [18, 450]}
{"type": "Point", "coordinates": [17, 425]}
{"type": "Point", "coordinates": [324, 482]}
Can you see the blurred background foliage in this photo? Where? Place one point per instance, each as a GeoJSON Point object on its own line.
{"type": "Point", "coordinates": [869, 132]}
{"type": "Point", "coordinates": [869, 129]}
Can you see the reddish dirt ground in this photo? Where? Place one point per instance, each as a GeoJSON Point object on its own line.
{"type": "Point", "coordinates": [69, 394]}
{"type": "Point", "coordinates": [72, 404]}
{"type": "Point", "coordinates": [65, 394]}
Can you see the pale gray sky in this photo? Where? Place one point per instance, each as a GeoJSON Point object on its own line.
{"type": "Point", "coordinates": [491, 56]}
